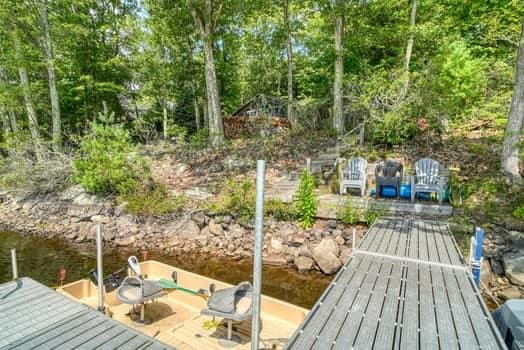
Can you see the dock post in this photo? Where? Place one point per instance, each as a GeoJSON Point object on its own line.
{"type": "Point", "coordinates": [257, 259]}
{"type": "Point", "coordinates": [99, 268]}
{"type": "Point", "coordinates": [308, 164]}
{"type": "Point", "coordinates": [476, 255]}
{"type": "Point", "coordinates": [14, 264]}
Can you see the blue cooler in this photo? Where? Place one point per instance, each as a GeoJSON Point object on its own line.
{"type": "Point", "coordinates": [405, 191]}
{"type": "Point", "coordinates": [389, 191]}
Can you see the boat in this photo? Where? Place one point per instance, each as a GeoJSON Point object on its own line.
{"type": "Point", "coordinates": [176, 320]}
{"type": "Point", "coordinates": [509, 319]}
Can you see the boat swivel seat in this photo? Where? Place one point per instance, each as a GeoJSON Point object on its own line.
{"type": "Point", "coordinates": [231, 304]}
{"type": "Point", "coordinates": [135, 290]}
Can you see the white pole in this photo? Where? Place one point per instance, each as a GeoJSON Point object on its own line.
{"type": "Point", "coordinates": [257, 259]}
{"type": "Point", "coordinates": [99, 268]}
{"type": "Point", "coordinates": [14, 264]}
{"type": "Point", "coordinates": [354, 243]}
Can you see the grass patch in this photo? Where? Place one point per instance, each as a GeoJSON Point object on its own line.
{"type": "Point", "coordinates": [151, 202]}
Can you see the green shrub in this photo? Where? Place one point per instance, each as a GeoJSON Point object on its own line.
{"type": "Point", "coordinates": [279, 210]}
{"type": "Point", "coordinates": [349, 215]}
{"type": "Point", "coordinates": [107, 162]}
{"type": "Point", "coordinates": [177, 131]}
{"type": "Point", "coordinates": [307, 202]}
{"type": "Point", "coordinates": [151, 202]}
{"type": "Point", "coordinates": [519, 212]}
{"type": "Point", "coordinates": [373, 214]}
{"type": "Point", "coordinates": [236, 198]}
{"type": "Point", "coordinates": [393, 129]}
{"type": "Point", "coordinates": [458, 79]}
{"type": "Point", "coordinates": [199, 139]}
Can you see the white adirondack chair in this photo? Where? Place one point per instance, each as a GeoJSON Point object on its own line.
{"type": "Point", "coordinates": [427, 178]}
{"type": "Point", "coordinates": [354, 175]}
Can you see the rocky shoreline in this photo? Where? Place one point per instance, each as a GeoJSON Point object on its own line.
{"type": "Point", "coordinates": [74, 216]}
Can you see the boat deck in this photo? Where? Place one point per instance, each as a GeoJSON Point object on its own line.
{"type": "Point", "coordinates": [32, 316]}
{"type": "Point", "coordinates": [176, 319]}
{"type": "Point", "coordinates": [406, 286]}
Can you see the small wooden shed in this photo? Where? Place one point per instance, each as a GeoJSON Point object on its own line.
{"type": "Point", "coordinates": [261, 113]}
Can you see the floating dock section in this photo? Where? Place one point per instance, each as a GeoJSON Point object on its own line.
{"type": "Point", "coordinates": [406, 286]}
{"type": "Point", "coordinates": [32, 316]}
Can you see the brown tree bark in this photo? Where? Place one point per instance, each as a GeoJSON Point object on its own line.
{"type": "Point", "coordinates": [28, 102]}
{"type": "Point", "coordinates": [409, 48]}
{"type": "Point", "coordinates": [290, 110]}
{"type": "Point", "coordinates": [512, 135]}
{"type": "Point", "coordinates": [205, 16]}
{"type": "Point", "coordinates": [50, 66]}
{"type": "Point", "coordinates": [338, 86]}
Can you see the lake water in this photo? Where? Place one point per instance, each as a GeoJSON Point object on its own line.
{"type": "Point", "coordinates": [42, 259]}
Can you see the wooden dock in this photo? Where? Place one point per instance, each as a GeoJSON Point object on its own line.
{"type": "Point", "coordinates": [32, 316]}
{"type": "Point", "coordinates": [406, 286]}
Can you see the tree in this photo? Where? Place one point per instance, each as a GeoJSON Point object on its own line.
{"type": "Point", "coordinates": [338, 85]}
{"type": "Point", "coordinates": [206, 14]}
{"type": "Point", "coordinates": [409, 47]}
{"type": "Point", "coordinates": [28, 100]}
{"type": "Point", "coordinates": [512, 136]}
{"type": "Point", "coordinates": [50, 65]}
{"type": "Point", "coordinates": [289, 49]}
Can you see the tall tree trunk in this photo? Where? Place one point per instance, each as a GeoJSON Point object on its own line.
{"type": "Point", "coordinates": [10, 114]}
{"type": "Point", "coordinates": [205, 14]}
{"type": "Point", "coordinates": [53, 92]}
{"type": "Point", "coordinates": [290, 110]}
{"type": "Point", "coordinates": [409, 48]}
{"type": "Point", "coordinates": [28, 102]}
{"type": "Point", "coordinates": [164, 127]}
{"type": "Point", "coordinates": [338, 86]}
{"type": "Point", "coordinates": [5, 121]}
{"type": "Point", "coordinates": [198, 122]}
{"type": "Point", "coordinates": [512, 136]}
{"type": "Point", "coordinates": [12, 120]}
{"type": "Point", "coordinates": [216, 126]}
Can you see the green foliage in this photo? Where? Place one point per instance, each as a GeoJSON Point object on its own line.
{"type": "Point", "coordinates": [373, 214]}
{"type": "Point", "coordinates": [458, 79]}
{"type": "Point", "coordinates": [349, 214]}
{"type": "Point", "coordinates": [107, 162]}
{"type": "Point", "coordinates": [280, 210]}
{"type": "Point", "coordinates": [156, 201]}
{"type": "Point", "coordinates": [236, 198]}
{"type": "Point", "coordinates": [199, 139]}
{"type": "Point", "coordinates": [519, 212]}
{"type": "Point", "coordinates": [306, 202]}
{"type": "Point", "coordinates": [393, 129]}
{"type": "Point", "coordinates": [177, 131]}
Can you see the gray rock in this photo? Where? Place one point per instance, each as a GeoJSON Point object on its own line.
{"type": "Point", "coordinates": [339, 240]}
{"type": "Point", "coordinates": [303, 250]}
{"type": "Point", "coordinates": [325, 255]}
{"type": "Point", "coordinates": [275, 246]}
{"type": "Point", "coordinates": [215, 229]}
{"type": "Point", "coordinates": [274, 259]}
{"type": "Point", "coordinates": [514, 267]}
{"type": "Point", "coordinates": [304, 264]}
{"type": "Point", "coordinates": [189, 228]}
{"type": "Point", "coordinates": [200, 218]}
{"type": "Point", "coordinates": [332, 224]}
{"type": "Point", "coordinates": [510, 293]}
{"type": "Point", "coordinates": [345, 254]}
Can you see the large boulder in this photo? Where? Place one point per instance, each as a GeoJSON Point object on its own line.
{"type": "Point", "coordinates": [304, 264]}
{"type": "Point", "coordinates": [325, 255]}
{"type": "Point", "coordinates": [275, 246]}
{"type": "Point", "coordinates": [215, 229]}
{"type": "Point", "coordinates": [514, 267]}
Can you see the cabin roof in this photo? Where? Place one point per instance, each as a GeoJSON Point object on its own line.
{"type": "Point", "coordinates": [34, 316]}
{"type": "Point", "coordinates": [406, 286]}
{"type": "Point", "coordinates": [274, 106]}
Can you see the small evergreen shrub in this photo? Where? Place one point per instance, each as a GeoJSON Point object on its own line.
{"type": "Point", "coordinates": [373, 214]}
{"type": "Point", "coordinates": [107, 163]}
{"type": "Point", "coordinates": [393, 129]}
{"type": "Point", "coordinates": [307, 202]}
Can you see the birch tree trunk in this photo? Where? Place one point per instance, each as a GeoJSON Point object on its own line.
{"type": "Point", "coordinates": [10, 115]}
{"type": "Point", "coordinates": [205, 19]}
{"type": "Point", "coordinates": [5, 121]}
{"type": "Point", "coordinates": [338, 104]}
{"type": "Point", "coordinates": [512, 136]}
{"type": "Point", "coordinates": [12, 120]}
{"type": "Point", "coordinates": [290, 111]}
{"type": "Point", "coordinates": [53, 92]}
{"type": "Point", "coordinates": [28, 102]}
{"type": "Point", "coordinates": [409, 47]}
{"type": "Point", "coordinates": [198, 122]}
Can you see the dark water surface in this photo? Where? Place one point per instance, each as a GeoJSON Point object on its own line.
{"type": "Point", "coordinates": [41, 259]}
